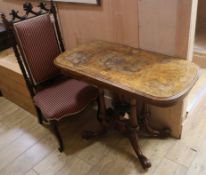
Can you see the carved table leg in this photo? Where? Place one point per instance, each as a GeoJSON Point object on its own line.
{"type": "Point", "coordinates": [146, 130]}
{"type": "Point", "coordinates": [133, 135]}
{"type": "Point", "coordinates": [88, 134]}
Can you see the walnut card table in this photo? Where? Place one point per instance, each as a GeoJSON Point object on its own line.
{"type": "Point", "coordinates": [150, 77]}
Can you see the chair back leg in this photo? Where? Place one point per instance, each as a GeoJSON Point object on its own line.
{"type": "Point", "coordinates": [98, 111]}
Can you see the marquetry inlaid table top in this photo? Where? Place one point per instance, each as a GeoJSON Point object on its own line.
{"type": "Point", "coordinates": [154, 77]}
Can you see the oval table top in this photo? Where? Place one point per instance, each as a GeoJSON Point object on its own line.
{"type": "Point", "coordinates": [154, 77]}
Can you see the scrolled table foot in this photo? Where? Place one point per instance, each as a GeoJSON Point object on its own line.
{"type": "Point", "coordinates": [164, 133]}
{"type": "Point", "coordinates": [147, 131]}
{"type": "Point", "coordinates": [144, 162]}
{"type": "Point", "coordinates": [133, 137]}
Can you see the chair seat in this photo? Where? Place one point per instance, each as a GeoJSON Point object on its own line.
{"type": "Point", "coordinates": [64, 99]}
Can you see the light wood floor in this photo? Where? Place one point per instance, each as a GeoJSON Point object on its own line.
{"type": "Point", "coordinates": [196, 93]}
{"type": "Point", "coordinates": [28, 148]}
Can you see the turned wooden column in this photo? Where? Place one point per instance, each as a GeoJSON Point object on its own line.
{"type": "Point", "coordinates": [133, 134]}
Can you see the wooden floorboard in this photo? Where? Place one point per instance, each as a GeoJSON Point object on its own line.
{"type": "Point", "coordinates": [27, 148]}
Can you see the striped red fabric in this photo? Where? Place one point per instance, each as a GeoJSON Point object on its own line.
{"type": "Point", "coordinates": [37, 39]}
{"type": "Point", "coordinates": [64, 99]}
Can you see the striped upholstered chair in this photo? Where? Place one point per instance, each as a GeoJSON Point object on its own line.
{"type": "Point", "coordinates": [55, 97]}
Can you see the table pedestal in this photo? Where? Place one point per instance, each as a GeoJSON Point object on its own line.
{"type": "Point", "coordinates": [133, 126]}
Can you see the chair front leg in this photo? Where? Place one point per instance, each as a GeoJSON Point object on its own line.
{"type": "Point", "coordinates": [55, 129]}
{"type": "Point", "coordinates": [39, 115]}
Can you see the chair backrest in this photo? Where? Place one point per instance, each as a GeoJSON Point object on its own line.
{"type": "Point", "coordinates": [38, 44]}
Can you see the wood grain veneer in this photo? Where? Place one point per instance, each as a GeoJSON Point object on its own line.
{"type": "Point", "coordinates": [159, 79]}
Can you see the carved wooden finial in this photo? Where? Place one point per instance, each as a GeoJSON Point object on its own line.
{"type": "Point", "coordinates": [6, 23]}
{"type": "Point", "coordinates": [3, 16]}
{"type": "Point", "coordinates": [42, 5]}
{"type": "Point", "coordinates": [28, 7]}
{"type": "Point", "coordinates": [15, 15]}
